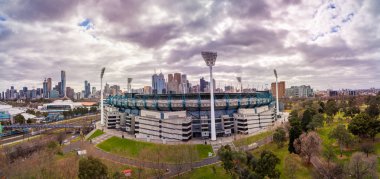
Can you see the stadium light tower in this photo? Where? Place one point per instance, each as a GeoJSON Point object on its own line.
{"type": "Point", "coordinates": [277, 108]}
{"type": "Point", "coordinates": [101, 97]}
{"type": "Point", "coordinates": [129, 87]}
{"type": "Point", "coordinates": [210, 58]}
{"type": "Point", "coordinates": [241, 85]}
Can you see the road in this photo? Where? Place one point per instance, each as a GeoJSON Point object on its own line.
{"type": "Point", "coordinates": [21, 137]}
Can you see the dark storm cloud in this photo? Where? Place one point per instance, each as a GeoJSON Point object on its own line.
{"type": "Point", "coordinates": [151, 36]}
{"type": "Point", "coordinates": [131, 38]}
{"type": "Point", "coordinates": [254, 39]}
{"type": "Point", "coordinates": [40, 10]}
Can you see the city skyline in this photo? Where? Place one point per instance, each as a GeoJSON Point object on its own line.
{"type": "Point", "coordinates": [329, 47]}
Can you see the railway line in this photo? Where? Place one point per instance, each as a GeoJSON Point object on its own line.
{"type": "Point", "coordinates": [48, 129]}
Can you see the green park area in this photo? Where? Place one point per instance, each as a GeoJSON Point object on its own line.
{"type": "Point", "coordinates": [97, 133]}
{"type": "Point", "coordinates": [251, 139]}
{"type": "Point", "coordinates": [155, 152]}
{"type": "Point", "coordinates": [210, 171]}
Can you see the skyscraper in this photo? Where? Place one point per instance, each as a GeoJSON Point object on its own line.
{"type": "Point", "coordinates": [170, 77]}
{"type": "Point", "coordinates": [158, 84]}
{"type": "Point", "coordinates": [63, 83]}
{"type": "Point", "coordinates": [177, 78]}
{"type": "Point", "coordinates": [87, 89]}
{"type": "Point", "coordinates": [203, 84]}
{"type": "Point", "coordinates": [45, 89]}
{"type": "Point", "coordinates": [49, 84]}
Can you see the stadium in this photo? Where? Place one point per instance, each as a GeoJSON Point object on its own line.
{"type": "Point", "coordinates": [181, 117]}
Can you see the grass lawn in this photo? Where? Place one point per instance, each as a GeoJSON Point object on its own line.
{"type": "Point", "coordinates": [327, 142]}
{"type": "Point", "coordinates": [97, 133]}
{"type": "Point", "coordinates": [282, 153]}
{"type": "Point", "coordinates": [252, 139]}
{"type": "Point", "coordinates": [116, 167]}
{"type": "Point", "coordinates": [207, 172]}
{"type": "Point", "coordinates": [149, 151]}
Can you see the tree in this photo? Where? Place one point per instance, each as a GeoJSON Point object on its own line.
{"type": "Point", "coordinates": [20, 119]}
{"type": "Point", "coordinates": [295, 130]}
{"type": "Point", "coordinates": [308, 145]}
{"type": "Point", "coordinates": [294, 133]}
{"type": "Point", "coordinates": [367, 148]}
{"type": "Point", "coordinates": [361, 166]}
{"type": "Point", "coordinates": [322, 107]}
{"type": "Point", "coordinates": [91, 168]}
{"type": "Point", "coordinates": [342, 135]}
{"type": "Point", "coordinates": [331, 107]}
{"type": "Point", "coordinates": [279, 137]}
{"type": "Point", "coordinates": [93, 109]}
{"type": "Point", "coordinates": [373, 109]}
{"type": "Point", "coordinates": [363, 126]}
{"type": "Point", "coordinates": [316, 121]}
{"type": "Point", "coordinates": [61, 137]}
{"type": "Point", "coordinates": [306, 119]}
{"type": "Point", "coordinates": [291, 166]}
{"type": "Point", "coordinates": [352, 111]}
{"type": "Point", "coordinates": [266, 165]}
{"type": "Point", "coordinates": [329, 155]}
{"type": "Point", "coordinates": [226, 156]}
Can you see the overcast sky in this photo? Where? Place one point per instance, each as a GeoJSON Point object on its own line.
{"type": "Point", "coordinates": [325, 44]}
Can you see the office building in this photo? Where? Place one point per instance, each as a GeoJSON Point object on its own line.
{"type": "Point", "coordinates": [158, 84]}
{"type": "Point", "coordinates": [70, 93]}
{"type": "Point", "coordinates": [63, 83]}
{"type": "Point", "coordinates": [45, 89]}
{"type": "Point", "coordinates": [303, 91]}
{"type": "Point", "coordinates": [49, 84]}
{"type": "Point", "coordinates": [54, 94]}
{"type": "Point", "coordinates": [203, 85]}
{"type": "Point", "coordinates": [111, 117]}
{"type": "Point", "coordinates": [281, 89]}
{"type": "Point", "coordinates": [147, 90]}
{"type": "Point", "coordinates": [87, 89]}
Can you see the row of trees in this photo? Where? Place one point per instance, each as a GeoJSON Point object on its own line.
{"type": "Point", "coordinates": [79, 111]}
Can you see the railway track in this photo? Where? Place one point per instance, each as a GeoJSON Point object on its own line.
{"type": "Point", "coordinates": [21, 137]}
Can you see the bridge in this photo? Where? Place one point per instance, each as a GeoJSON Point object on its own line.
{"type": "Point", "coordinates": [40, 126]}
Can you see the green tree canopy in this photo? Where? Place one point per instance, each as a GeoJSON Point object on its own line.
{"type": "Point", "coordinates": [363, 126]}
{"type": "Point", "coordinates": [279, 137]}
{"type": "Point", "coordinates": [306, 118]}
{"type": "Point", "coordinates": [331, 107]}
{"type": "Point", "coordinates": [342, 135]}
{"type": "Point", "coordinates": [316, 121]}
{"type": "Point", "coordinates": [92, 168]}
{"type": "Point", "coordinates": [266, 166]}
{"type": "Point", "coordinates": [19, 119]}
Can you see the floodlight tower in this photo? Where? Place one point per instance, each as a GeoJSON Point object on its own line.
{"type": "Point", "coordinates": [101, 97]}
{"type": "Point", "coordinates": [241, 85]}
{"type": "Point", "coordinates": [129, 87]}
{"type": "Point", "coordinates": [277, 108]}
{"type": "Point", "coordinates": [210, 58]}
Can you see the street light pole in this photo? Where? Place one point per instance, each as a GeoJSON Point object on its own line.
{"type": "Point", "coordinates": [277, 105]}
{"type": "Point", "coordinates": [210, 58]}
{"type": "Point", "coordinates": [101, 97]}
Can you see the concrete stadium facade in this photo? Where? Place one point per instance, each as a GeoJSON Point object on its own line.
{"type": "Point", "coordinates": [181, 117]}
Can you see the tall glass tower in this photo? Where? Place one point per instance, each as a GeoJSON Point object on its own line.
{"type": "Point", "coordinates": [63, 83]}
